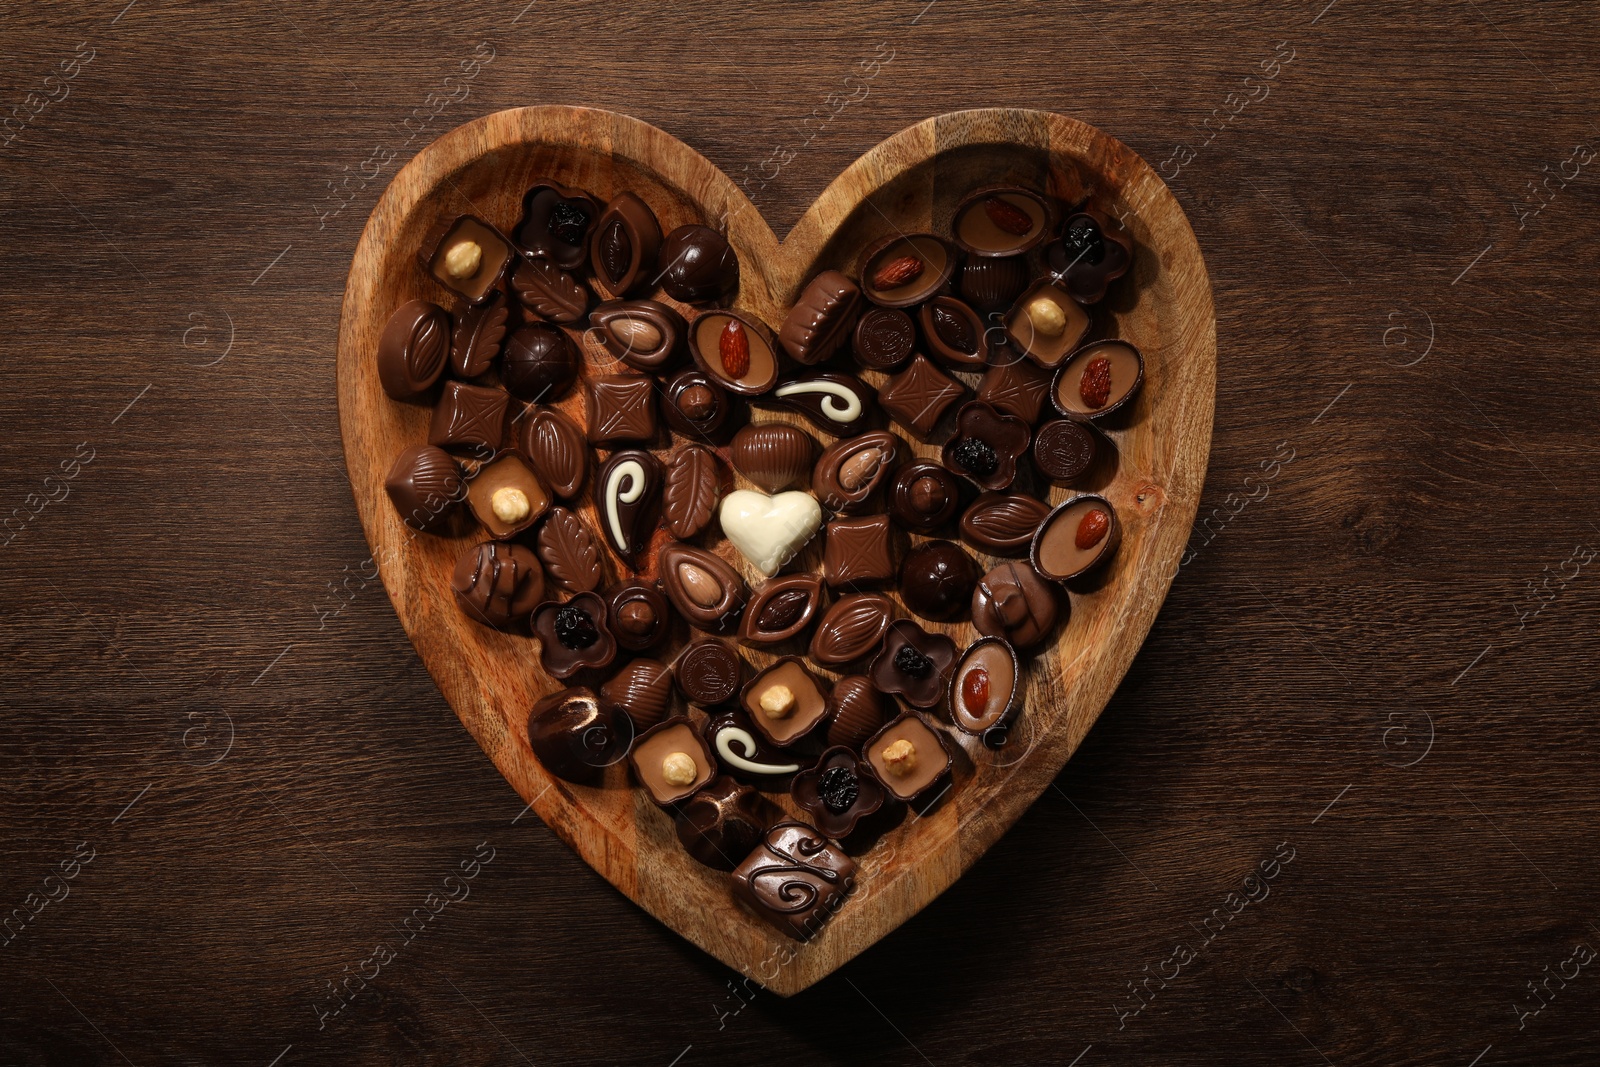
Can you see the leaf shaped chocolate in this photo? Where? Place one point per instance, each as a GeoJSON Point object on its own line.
{"type": "Point", "coordinates": [692, 488]}
{"type": "Point", "coordinates": [549, 292]}
{"type": "Point", "coordinates": [568, 551]}
{"type": "Point", "coordinates": [554, 447]}
{"type": "Point", "coordinates": [1003, 522]}
{"type": "Point", "coordinates": [479, 332]}
{"type": "Point", "coordinates": [851, 629]}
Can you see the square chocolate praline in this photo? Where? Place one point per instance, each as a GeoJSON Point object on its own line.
{"type": "Point", "coordinates": [796, 879]}
{"type": "Point", "coordinates": [621, 407]}
{"type": "Point", "coordinates": [809, 703]}
{"type": "Point", "coordinates": [470, 419]}
{"type": "Point", "coordinates": [494, 252]}
{"type": "Point", "coordinates": [859, 551]}
{"type": "Point", "coordinates": [672, 739]}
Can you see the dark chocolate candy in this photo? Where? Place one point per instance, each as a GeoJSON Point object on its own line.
{"type": "Point", "coordinates": [849, 473]}
{"type": "Point", "coordinates": [838, 792]}
{"type": "Point", "coordinates": [672, 760]}
{"type": "Point", "coordinates": [1094, 250]}
{"type": "Point", "coordinates": [918, 396]}
{"type": "Point", "coordinates": [909, 757]}
{"type": "Point", "coordinates": [859, 711]}
{"type": "Point", "coordinates": [539, 363]}
{"type": "Point", "coordinates": [1063, 449]}
{"type": "Point", "coordinates": [1016, 386]}
{"type": "Point", "coordinates": [986, 690]}
{"type": "Point", "coordinates": [851, 629]}
{"type": "Point", "coordinates": [858, 551]}
{"type": "Point", "coordinates": [1003, 523]}
{"type": "Point", "coordinates": [574, 737]}
{"type": "Point", "coordinates": [905, 269]}
{"type": "Point", "coordinates": [708, 673]}
{"type": "Point", "coordinates": [549, 292]}
{"type": "Point", "coordinates": [796, 879]}
{"type": "Point", "coordinates": [628, 498]}
{"type": "Point", "coordinates": [426, 487]}
{"type": "Point", "coordinates": [954, 332]}
{"type": "Point", "coordinates": [936, 580]}
{"type": "Point", "coordinates": [642, 691]}
{"type": "Point", "coordinates": [413, 349]}
{"type": "Point", "coordinates": [1001, 221]}
{"type": "Point", "coordinates": [697, 265]}
{"type": "Point", "coordinates": [497, 584]}
{"type": "Point", "coordinates": [736, 350]}
{"type": "Point", "coordinates": [639, 615]}
{"type": "Point", "coordinates": [693, 486]}
{"type": "Point", "coordinates": [555, 448]}
{"type": "Point", "coordinates": [568, 551]}
{"type": "Point", "coordinates": [1012, 601]}
{"type": "Point", "coordinates": [574, 635]}
{"type": "Point", "coordinates": [781, 609]}
{"type": "Point", "coordinates": [469, 257]}
{"type": "Point", "coordinates": [470, 419]}
{"type": "Point", "coordinates": [719, 825]}
{"type": "Point", "coordinates": [1078, 537]}
{"type": "Point", "coordinates": [555, 224]}
{"type": "Point", "coordinates": [833, 402]}
{"type": "Point", "coordinates": [644, 334]}
{"type": "Point", "coordinates": [506, 497]}
{"type": "Point", "coordinates": [820, 321]}
{"type": "Point", "coordinates": [704, 589]}
{"type": "Point", "coordinates": [913, 664]}
{"type": "Point", "coordinates": [991, 285]}
{"type": "Point", "coordinates": [621, 407]}
{"type": "Point", "coordinates": [774, 455]}
{"type": "Point", "coordinates": [883, 338]}
{"type": "Point", "coordinates": [695, 405]}
{"type": "Point", "coordinates": [924, 496]}
{"type": "Point", "coordinates": [479, 332]}
{"type": "Point", "coordinates": [747, 755]}
{"type": "Point", "coordinates": [623, 245]}
{"type": "Point", "coordinates": [986, 445]}
{"type": "Point", "coordinates": [785, 701]}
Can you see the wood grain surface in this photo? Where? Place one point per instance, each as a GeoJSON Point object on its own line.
{"type": "Point", "coordinates": [1366, 710]}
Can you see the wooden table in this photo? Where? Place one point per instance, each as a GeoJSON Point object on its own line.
{"type": "Point", "coordinates": [1341, 809]}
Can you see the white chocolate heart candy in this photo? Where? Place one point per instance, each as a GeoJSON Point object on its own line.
{"type": "Point", "coordinates": [769, 530]}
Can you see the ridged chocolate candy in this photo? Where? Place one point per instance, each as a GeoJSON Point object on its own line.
{"type": "Point", "coordinates": [820, 321]}
{"type": "Point", "coordinates": [642, 690]}
{"type": "Point", "coordinates": [413, 348]}
{"type": "Point", "coordinates": [774, 456]}
{"type": "Point", "coordinates": [859, 711]}
{"type": "Point", "coordinates": [426, 487]}
{"type": "Point", "coordinates": [498, 584]}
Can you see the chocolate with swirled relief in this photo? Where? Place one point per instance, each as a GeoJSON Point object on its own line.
{"type": "Point", "coordinates": [703, 587]}
{"type": "Point", "coordinates": [821, 319]}
{"type": "Point", "coordinates": [574, 636]}
{"type": "Point", "coordinates": [413, 349]}
{"type": "Point", "coordinates": [644, 334]}
{"type": "Point", "coordinates": [954, 332]}
{"type": "Point", "coordinates": [621, 407]}
{"type": "Point", "coordinates": [782, 608]}
{"type": "Point", "coordinates": [639, 615]}
{"type": "Point", "coordinates": [924, 496]}
{"type": "Point", "coordinates": [549, 292]}
{"type": "Point", "coordinates": [623, 245]}
{"type": "Point", "coordinates": [555, 448]}
{"type": "Point", "coordinates": [796, 880]}
{"type": "Point", "coordinates": [832, 401]}
{"type": "Point", "coordinates": [697, 265]}
{"type": "Point", "coordinates": [497, 584]}
{"type": "Point", "coordinates": [850, 472]}
{"type": "Point", "coordinates": [555, 224]}
{"type": "Point", "coordinates": [708, 673]}
{"type": "Point", "coordinates": [883, 338]}
{"type": "Point", "coordinates": [469, 419]}
{"type": "Point", "coordinates": [747, 755]}
{"type": "Point", "coordinates": [628, 499]}
{"type": "Point", "coordinates": [695, 405]}
{"type": "Point", "coordinates": [539, 363]}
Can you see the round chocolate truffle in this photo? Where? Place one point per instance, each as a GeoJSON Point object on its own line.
{"type": "Point", "coordinates": [936, 580]}
{"type": "Point", "coordinates": [539, 363]}
{"type": "Point", "coordinates": [575, 737]}
{"type": "Point", "coordinates": [697, 265]}
{"type": "Point", "coordinates": [721, 824]}
{"type": "Point", "coordinates": [924, 496]}
{"type": "Point", "coordinates": [638, 613]}
{"type": "Point", "coordinates": [498, 583]}
{"type": "Point", "coordinates": [426, 487]}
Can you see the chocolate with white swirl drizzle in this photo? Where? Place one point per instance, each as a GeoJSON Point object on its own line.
{"type": "Point", "coordinates": [831, 401]}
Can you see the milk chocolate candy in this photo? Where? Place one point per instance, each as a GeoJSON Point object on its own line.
{"type": "Point", "coordinates": [693, 487]}
{"type": "Point", "coordinates": [909, 757]}
{"type": "Point", "coordinates": [574, 636]}
{"type": "Point", "coordinates": [736, 350]}
{"type": "Point", "coordinates": [549, 292]}
{"type": "Point", "coordinates": [1013, 602]}
{"type": "Point", "coordinates": [850, 472]}
{"type": "Point", "coordinates": [469, 419]}
{"type": "Point", "coordinates": [555, 448]}
{"type": "Point", "coordinates": [785, 702]}
{"type": "Point", "coordinates": [695, 405]}
{"type": "Point", "coordinates": [782, 608]}
{"type": "Point", "coordinates": [821, 320]}
{"type": "Point", "coordinates": [623, 245]}
{"type": "Point", "coordinates": [642, 691]}
{"type": "Point", "coordinates": [413, 349]}
{"type": "Point", "coordinates": [1003, 523]}
{"type": "Point", "coordinates": [986, 446]}
{"type": "Point", "coordinates": [477, 336]}
{"type": "Point", "coordinates": [986, 690]}
{"type": "Point", "coordinates": [644, 334]}
{"type": "Point", "coordinates": [539, 363]}
{"type": "Point", "coordinates": [901, 270]}
{"type": "Point", "coordinates": [954, 333]}
{"type": "Point", "coordinates": [469, 257]}
{"type": "Point", "coordinates": [747, 755]}
{"type": "Point", "coordinates": [708, 673]}
{"type": "Point", "coordinates": [672, 761]}
{"type": "Point", "coordinates": [555, 224]}
{"type": "Point", "coordinates": [1046, 324]}
{"type": "Point", "coordinates": [1094, 250]}
{"type": "Point", "coordinates": [719, 825]}
{"type": "Point", "coordinates": [924, 496]}
{"type": "Point", "coordinates": [851, 629]}
{"type": "Point", "coordinates": [506, 497]}
{"type": "Point", "coordinates": [1079, 536]}
{"type": "Point", "coordinates": [991, 284]}
{"type": "Point", "coordinates": [796, 879]}
{"type": "Point", "coordinates": [858, 551]}
{"type": "Point", "coordinates": [1001, 221]}
{"type": "Point", "coordinates": [628, 497]}
{"type": "Point", "coordinates": [859, 711]}
{"type": "Point", "coordinates": [883, 338]}
{"type": "Point", "coordinates": [621, 407]}
{"type": "Point", "coordinates": [838, 792]}
{"type": "Point", "coordinates": [639, 615]}
{"type": "Point", "coordinates": [919, 396]}
{"type": "Point", "coordinates": [1099, 379]}
{"type": "Point", "coordinates": [426, 487]}
{"type": "Point", "coordinates": [704, 589]}
{"type": "Point", "coordinates": [1016, 386]}
{"type": "Point", "coordinates": [497, 584]}
{"type": "Point", "coordinates": [574, 737]}
{"type": "Point", "coordinates": [936, 580]}
{"type": "Point", "coordinates": [833, 402]}
{"type": "Point", "coordinates": [697, 265]}
{"type": "Point", "coordinates": [773, 455]}
{"type": "Point", "coordinates": [913, 664]}
{"type": "Point", "coordinates": [1063, 450]}
{"type": "Point", "coordinates": [567, 549]}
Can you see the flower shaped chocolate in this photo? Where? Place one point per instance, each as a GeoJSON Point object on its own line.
{"type": "Point", "coordinates": [573, 635]}
{"type": "Point", "coordinates": [838, 792]}
{"type": "Point", "coordinates": [1093, 251]}
{"type": "Point", "coordinates": [913, 663]}
{"type": "Point", "coordinates": [986, 445]}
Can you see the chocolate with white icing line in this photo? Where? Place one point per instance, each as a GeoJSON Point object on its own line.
{"type": "Point", "coordinates": [630, 490]}
{"type": "Point", "coordinates": [833, 402]}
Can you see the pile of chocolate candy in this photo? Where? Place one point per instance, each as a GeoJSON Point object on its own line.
{"type": "Point", "coordinates": [858, 713]}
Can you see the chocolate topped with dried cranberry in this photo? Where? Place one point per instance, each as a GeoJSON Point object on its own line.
{"type": "Point", "coordinates": [1093, 251]}
{"type": "Point", "coordinates": [555, 224]}
{"type": "Point", "coordinates": [913, 664]}
{"type": "Point", "coordinates": [986, 445]}
{"type": "Point", "coordinates": [574, 636]}
{"type": "Point", "coordinates": [838, 792]}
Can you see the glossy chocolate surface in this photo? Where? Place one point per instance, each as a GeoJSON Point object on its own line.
{"type": "Point", "coordinates": [745, 754]}
{"type": "Point", "coordinates": [908, 775]}
{"type": "Point", "coordinates": [774, 455]}
{"type": "Point", "coordinates": [924, 496]}
{"type": "Point", "coordinates": [639, 615]}
{"type": "Point", "coordinates": [697, 265]}
{"type": "Point", "coordinates": [821, 319]}
{"type": "Point", "coordinates": [851, 629]}
{"type": "Point", "coordinates": [642, 690]}
{"type": "Point", "coordinates": [574, 738]}
{"type": "Point", "coordinates": [1017, 387]}
{"type": "Point", "coordinates": [662, 751]}
{"type": "Point", "coordinates": [1012, 601]}
{"type": "Point", "coordinates": [722, 823]}
{"type": "Point", "coordinates": [477, 336]}
{"type": "Point", "coordinates": [883, 338]}
{"type": "Point", "coordinates": [555, 224]}
{"type": "Point", "coordinates": [413, 349]}
{"type": "Point", "coordinates": [918, 396]}
{"type": "Point", "coordinates": [426, 487]}
{"type": "Point", "coordinates": [1003, 523]}
{"type": "Point", "coordinates": [628, 500]}
{"type": "Point", "coordinates": [736, 350]}
{"type": "Point", "coordinates": [833, 402]}
{"type": "Point", "coordinates": [704, 589]}
{"type": "Point", "coordinates": [936, 580]}
{"type": "Point", "coordinates": [693, 487]}
{"type": "Point", "coordinates": [446, 259]}
{"type": "Point", "coordinates": [506, 497]}
{"type": "Point", "coordinates": [1074, 391]}
{"type": "Point", "coordinates": [574, 636]}
{"type": "Point", "coordinates": [549, 292]}
{"type": "Point", "coordinates": [796, 879]}
{"type": "Point", "coordinates": [469, 419]}
{"type": "Point", "coordinates": [1093, 251]}
{"type": "Point", "coordinates": [568, 551]}
{"type": "Point", "coordinates": [1063, 450]}
{"type": "Point", "coordinates": [928, 261]}
{"type": "Point", "coordinates": [838, 792]}
{"type": "Point", "coordinates": [621, 407]}
{"type": "Point", "coordinates": [849, 473]}
{"type": "Point", "coordinates": [859, 711]}
{"type": "Point", "coordinates": [785, 702]}
{"type": "Point", "coordinates": [556, 450]}
{"type": "Point", "coordinates": [986, 689]}
{"type": "Point", "coordinates": [695, 405]}
{"type": "Point", "coordinates": [954, 332]}
{"type": "Point", "coordinates": [644, 334]}
{"type": "Point", "coordinates": [1080, 535]}
{"type": "Point", "coordinates": [1046, 324]}
{"type": "Point", "coordinates": [913, 664]}
{"type": "Point", "coordinates": [1001, 221]}
{"type": "Point", "coordinates": [858, 551]}
{"type": "Point", "coordinates": [991, 285]}
{"type": "Point", "coordinates": [986, 446]}
{"type": "Point", "coordinates": [624, 244]}
{"type": "Point", "coordinates": [497, 584]}
{"type": "Point", "coordinates": [539, 363]}
{"type": "Point", "coordinates": [708, 673]}
{"type": "Point", "coordinates": [782, 608]}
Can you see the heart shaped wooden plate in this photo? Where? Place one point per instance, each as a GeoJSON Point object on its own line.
{"type": "Point", "coordinates": [910, 182]}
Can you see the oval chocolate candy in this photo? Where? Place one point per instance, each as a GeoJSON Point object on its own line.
{"type": "Point", "coordinates": [627, 491]}
{"type": "Point", "coordinates": [781, 608]}
{"type": "Point", "coordinates": [703, 587]}
{"type": "Point", "coordinates": [849, 472]}
{"type": "Point", "coordinates": [644, 334]}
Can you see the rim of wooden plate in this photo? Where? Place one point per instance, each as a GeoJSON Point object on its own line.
{"type": "Point", "coordinates": [613, 829]}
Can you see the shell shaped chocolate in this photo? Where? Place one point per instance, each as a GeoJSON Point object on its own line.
{"type": "Point", "coordinates": [859, 711]}
{"type": "Point", "coordinates": [642, 690]}
{"type": "Point", "coordinates": [774, 455]}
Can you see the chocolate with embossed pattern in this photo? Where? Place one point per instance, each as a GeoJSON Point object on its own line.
{"type": "Point", "coordinates": [704, 589]}
{"type": "Point", "coordinates": [621, 407]}
{"type": "Point", "coordinates": [470, 419]}
{"type": "Point", "coordinates": [708, 673]}
{"type": "Point", "coordinates": [413, 349]}
{"type": "Point", "coordinates": [821, 319]}
{"type": "Point", "coordinates": [883, 338]}
{"type": "Point", "coordinates": [851, 629]}
{"type": "Point", "coordinates": [539, 363]}
{"type": "Point", "coordinates": [954, 332]}
{"type": "Point", "coordinates": [644, 334]}
{"type": "Point", "coordinates": [1003, 523]}
{"type": "Point", "coordinates": [549, 292]}
{"type": "Point", "coordinates": [642, 691]}
{"type": "Point", "coordinates": [858, 551]}
{"type": "Point", "coordinates": [426, 487]}
{"type": "Point", "coordinates": [1016, 386]}
{"type": "Point", "coordinates": [774, 455]}
{"type": "Point", "coordinates": [918, 396]}
{"type": "Point", "coordinates": [554, 446]}
{"type": "Point", "coordinates": [623, 245]}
